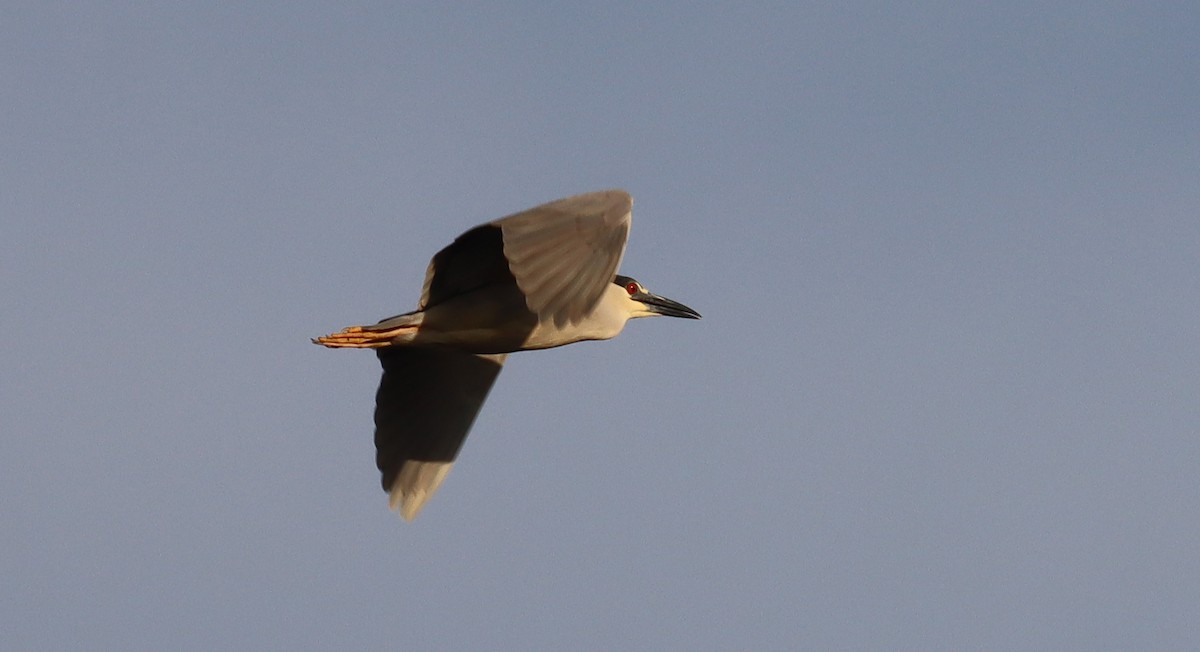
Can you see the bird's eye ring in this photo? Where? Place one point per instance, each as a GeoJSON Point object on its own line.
{"type": "Point", "coordinates": [631, 288]}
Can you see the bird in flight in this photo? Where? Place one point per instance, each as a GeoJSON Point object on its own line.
{"type": "Point", "coordinates": [537, 279]}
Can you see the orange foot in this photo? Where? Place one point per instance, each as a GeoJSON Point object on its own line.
{"type": "Point", "coordinates": [357, 337]}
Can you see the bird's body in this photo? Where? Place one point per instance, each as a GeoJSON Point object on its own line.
{"type": "Point", "coordinates": [537, 279]}
{"type": "Point", "coordinates": [491, 320]}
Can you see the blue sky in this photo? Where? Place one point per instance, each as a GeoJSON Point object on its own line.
{"type": "Point", "coordinates": [943, 396]}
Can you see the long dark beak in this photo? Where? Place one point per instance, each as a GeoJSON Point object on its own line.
{"type": "Point", "coordinates": [665, 306]}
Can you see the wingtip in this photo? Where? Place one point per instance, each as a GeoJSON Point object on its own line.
{"type": "Point", "coordinates": [406, 506]}
{"type": "Point", "coordinates": [415, 485]}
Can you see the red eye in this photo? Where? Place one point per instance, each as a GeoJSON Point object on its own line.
{"type": "Point", "coordinates": [631, 288]}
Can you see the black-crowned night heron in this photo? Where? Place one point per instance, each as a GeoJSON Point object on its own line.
{"type": "Point", "coordinates": [537, 279]}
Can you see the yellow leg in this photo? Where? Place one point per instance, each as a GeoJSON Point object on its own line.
{"type": "Point", "coordinates": [358, 337]}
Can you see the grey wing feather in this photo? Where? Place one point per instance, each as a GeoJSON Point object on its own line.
{"type": "Point", "coordinates": [563, 254]}
{"type": "Point", "coordinates": [427, 402]}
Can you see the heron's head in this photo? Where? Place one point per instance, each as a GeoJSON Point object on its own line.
{"type": "Point", "coordinates": [647, 304]}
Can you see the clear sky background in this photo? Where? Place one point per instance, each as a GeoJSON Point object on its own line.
{"type": "Point", "coordinates": [944, 394]}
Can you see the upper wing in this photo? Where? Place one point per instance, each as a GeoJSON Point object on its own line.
{"type": "Point", "coordinates": [473, 260]}
{"type": "Point", "coordinates": [563, 254]}
{"type": "Point", "coordinates": [427, 401]}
